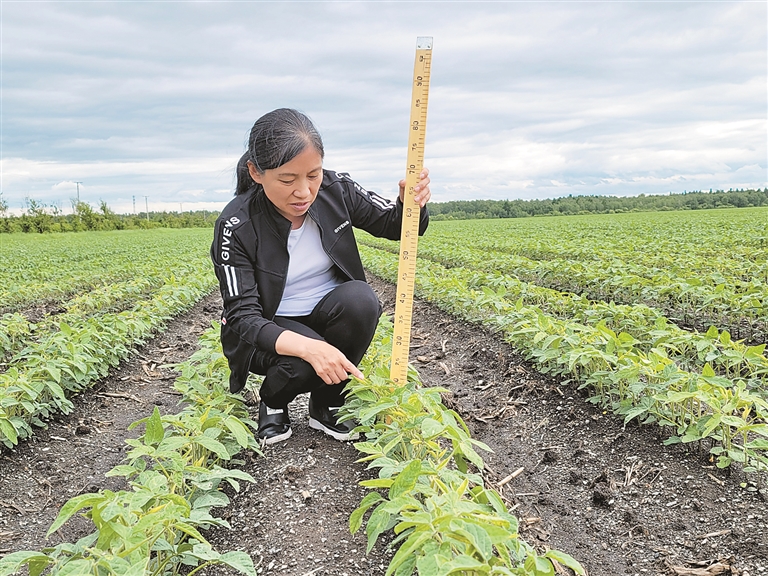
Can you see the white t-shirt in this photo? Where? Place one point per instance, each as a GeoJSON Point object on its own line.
{"type": "Point", "coordinates": [311, 273]}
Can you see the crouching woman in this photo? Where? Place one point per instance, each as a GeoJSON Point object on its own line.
{"type": "Point", "coordinates": [297, 308]}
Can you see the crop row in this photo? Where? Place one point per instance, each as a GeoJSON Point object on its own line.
{"type": "Point", "coordinates": [446, 520]}
{"type": "Point", "coordinates": [36, 269]}
{"type": "Point", "coordinates": [16, 331]}
{"type": "Point", "coordinates": [175, 471]}
{"type": "Point", "coordinates": [429, 488]}
{"type": "Point", "coordinates": [648, 385]}
{"type": "Point", "coordinates": [686, 291]}
{"type": "Point", "coordinates": [651, 330]}
{"type": "Point", "coordinates": [66, 361]}
{"type": "Point", "coordinates": [740, 308]}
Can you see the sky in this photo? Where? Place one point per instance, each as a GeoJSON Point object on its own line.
{"type": "Point", "coordinates": [149, 103]}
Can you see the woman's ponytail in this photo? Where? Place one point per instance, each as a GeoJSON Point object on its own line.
{"type": "Point", "coordinates": [244, 180]}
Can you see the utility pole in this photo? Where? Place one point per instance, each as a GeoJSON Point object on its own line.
{"type": "Point", "coordinates": [146, 206]}
{"type": "Point", "coordinates": [134, 205]}
{"type": "Point", "coordinates": [78, 191]}
{"type": "Point", "coordinates": [181, 208]}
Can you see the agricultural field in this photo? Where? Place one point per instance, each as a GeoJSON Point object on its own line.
{"type": "Point", "coordinates": [540, 346]}
{"type": "Point", "coordinates": [75, 305]}
{"type": "Point", "coordinates": [661, 317]}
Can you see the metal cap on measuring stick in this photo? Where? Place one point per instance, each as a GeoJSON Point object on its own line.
{"type": "Point", "coordinates": [423, 43]}
{"type": "Point", "coordinates": [409, 235]}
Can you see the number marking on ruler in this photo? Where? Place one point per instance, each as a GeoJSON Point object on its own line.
{"type": "Point", "coordinates": [409, 236]}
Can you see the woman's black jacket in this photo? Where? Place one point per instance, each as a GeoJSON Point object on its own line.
{"type": "Point", "coordinates": [250, 257]}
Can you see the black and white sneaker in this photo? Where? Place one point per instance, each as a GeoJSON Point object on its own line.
{"type": "Point", "coordinates": [274, 424]}
{"type": "Point", "coordinates": [323, 418]}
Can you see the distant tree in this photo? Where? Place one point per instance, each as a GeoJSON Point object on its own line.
{"type": "Point", "coordinates": [38, 218]}
{"type": "Point", "coordinates": [89, 219]}
{"type": "Point", "coordinates": [111, 221]}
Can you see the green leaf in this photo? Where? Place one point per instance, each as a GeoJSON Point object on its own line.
{"type": "Point", "coordinates": [204, 552]}
{"type": "Point", "coordinates": [690, 436]}
{"type": "Point", "coordinates": [629, 415]}
{"type": "Point", "coordinates": [469, 453]}
{"type": "Point", "coordinates": [405, 480]}
{"type": "Point", "coordinates": [565, 560]}
{"type": "Point", "coordinates": [723, 462]}
{"type": "Point", "coordinates": [38, 566]}
{"type": "Point", "coordinates": [478, 537]}
{"type": "Point", "coordinates": [711, 424]}
{"type": "Point", "coordinates": [239, 430]}
{"type": "Point", "coordinates": [240, 561]}
{"type": "Point", "coordinates": [211, 499]}
{"type": "Point", "coordinates": [138, 568]}
{"type": "Point", "coordinates": [539, 566]}
{"type": "Point", "coordinates": [462, 564]}
{"type": "Point", "coordinates": [72, 506]}
{"type": "Point", "coordinates": [54, 372]}
{"type": "Point", "coordinates": [372, 411]}
{"type": "Point", "coordinates": [377, 483]}
{"type": "Point", "coordinates": [8, 430]}
{"type": "Point", "coordinates": [11, 563]}
{"type": "Point", "coordinates": [368, 448]}
{"type": "Point", "coordinates": [163, 545]}
{"type": "Point", "coordinates": [154, 428]}
{"type": "Point", "coordinates": [356, 518]}
{"type": "Point", "coordinates": [213, 445]}
{"type": "Point", "coordinates": [407, 567]}
{"type": "Point", "coordinates": [431, 427]}
{"type": "Point", "coordinates": [408, 551]}
{"type": "Point", "coordinates": [122, 470]}
{"type": "Point", "coordinates": [190, 530]}
{"type": "Point", "coordinates": [171, 444]}
{"type": "Point", "coordinates": [117, 566]}
{"type": "Point", "coordinates": [377, 523]}
{"type": "Point", "coordinates": [429, 564]}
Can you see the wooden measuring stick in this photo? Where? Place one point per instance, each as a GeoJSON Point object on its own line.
{"type": "Point", "coordinates": [409, 235]}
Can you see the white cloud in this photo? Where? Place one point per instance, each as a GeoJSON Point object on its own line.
{"type": "Point", "coordinates": [66, 186]}
{"type": "Point", "coordinates": [528, 99]}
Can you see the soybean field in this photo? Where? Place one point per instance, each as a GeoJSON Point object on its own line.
{"type": "Point", "coordinates": [539, 347]}
{"type": "Point", "coordinates": [662, 317]}
{"type": "Point", "coordinates": [75, 305]}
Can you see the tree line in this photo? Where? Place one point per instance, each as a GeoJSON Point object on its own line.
{"type": "Point", "coordinates": [38, 217]}
{"type": "Point", "coordinates": [572, 205]}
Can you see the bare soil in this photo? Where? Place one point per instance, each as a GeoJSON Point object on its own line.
{"type": "Point", "coordinates": [614, 498]}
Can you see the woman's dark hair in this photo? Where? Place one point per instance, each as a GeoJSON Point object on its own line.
{"type": "Point", "coordinates": [276, 138]}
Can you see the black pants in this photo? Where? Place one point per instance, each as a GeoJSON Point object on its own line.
{"type": "Point", "coordinates": [345, 318]}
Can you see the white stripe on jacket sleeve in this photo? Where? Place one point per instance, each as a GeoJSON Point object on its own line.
{"type": "Point", "coordinates": [229, 272]}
